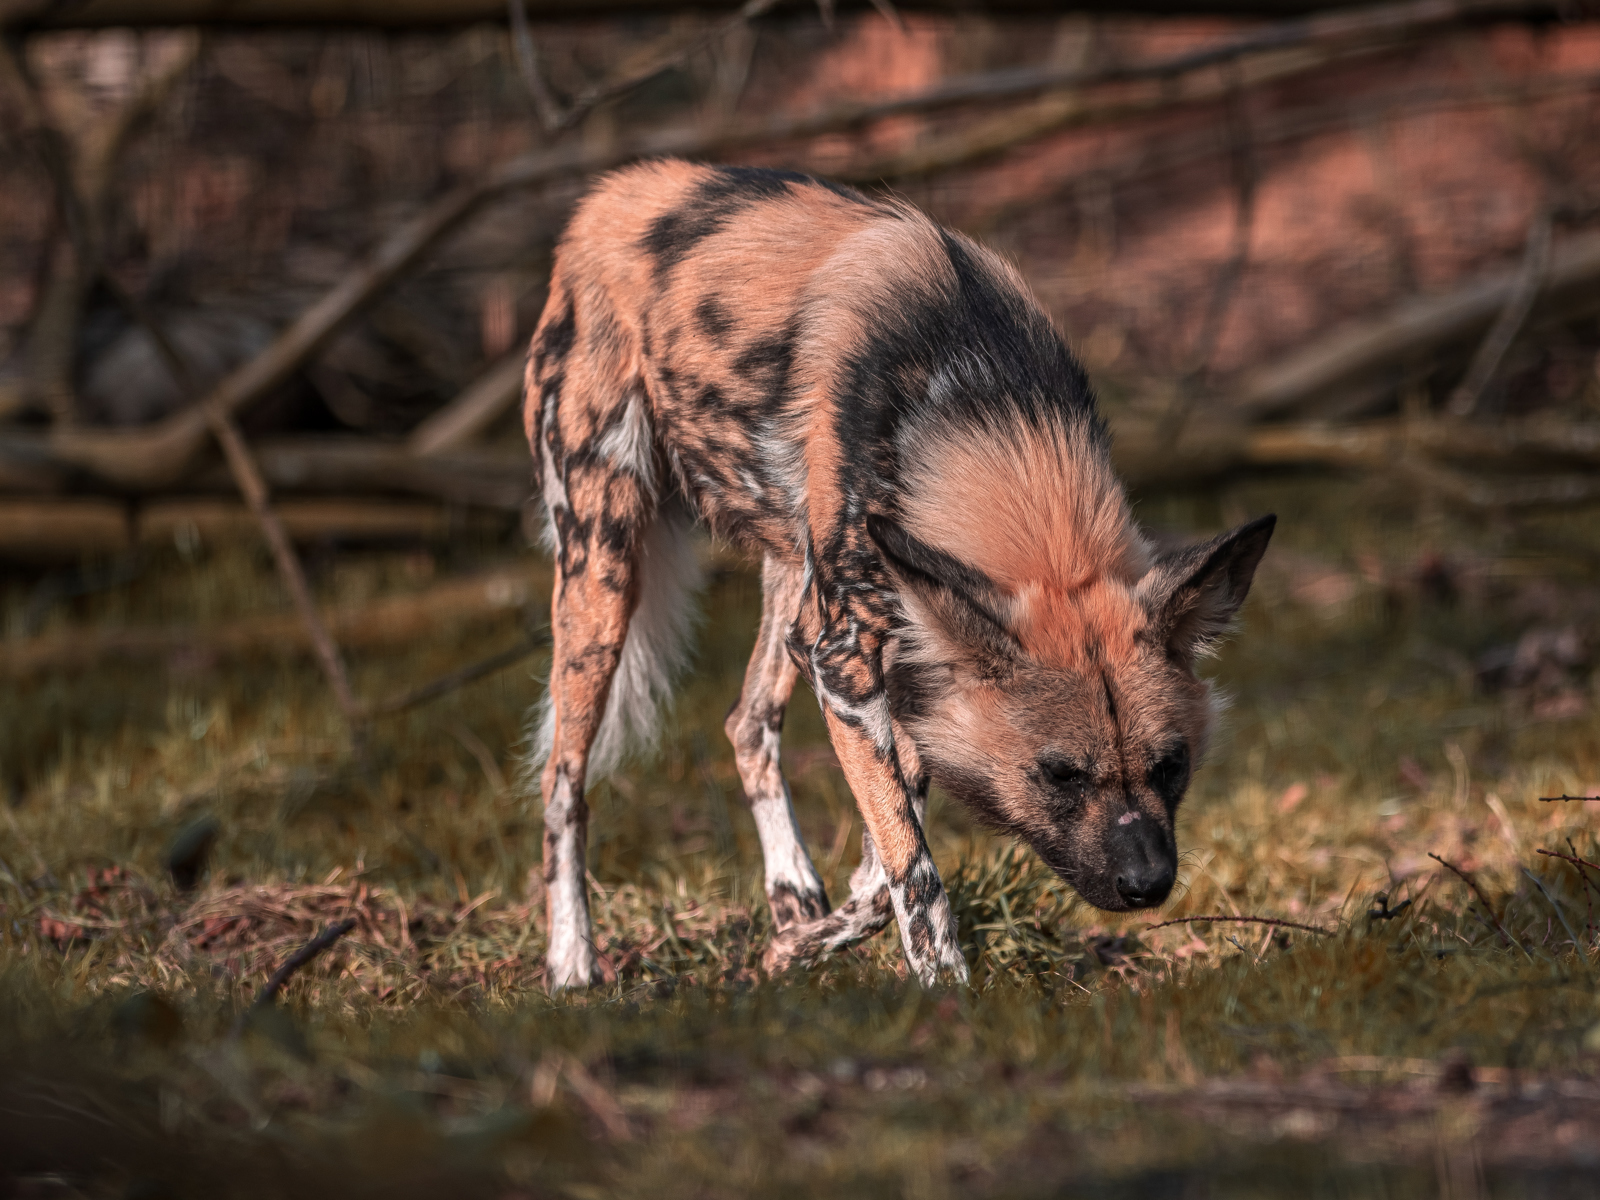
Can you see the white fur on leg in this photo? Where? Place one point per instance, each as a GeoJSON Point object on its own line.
{"type": "Point", "coordinates": [794, 889]}
{"type": "Point", "coordinates": [570, 960]}
{"type": "Point", "coordinates": [927, 926]}
{"type": "Point", "coordinates": [789, 870]}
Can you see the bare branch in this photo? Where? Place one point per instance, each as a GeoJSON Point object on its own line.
{"type": "Point", "coordinates": [162, 455]}
{"type": "Point", "coordinates": [473, 411]}
{"type": "Point", "coordinates": [1365, 347]}
{"type": "Point", "coordinates": [657, 61]}
{"type": "Point", "coordinates": [1535, 263]}
{"type": "Point", "coordinates": [82, 173]}
{"type": "Point", "coordinates": [1273, 921]}
{"type": "Point", "coordinates": [544, 102]}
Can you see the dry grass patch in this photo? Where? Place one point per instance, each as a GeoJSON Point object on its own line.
{"type": "Point", "coordinates": [1388, 704]}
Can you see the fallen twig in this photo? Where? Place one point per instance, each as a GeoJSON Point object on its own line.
{"type": "Point", "coordinates": [67, 529]}
{"type": "Point", "coordinates": [1482, 899]}
{"type": "Point", "coordinates": [460, 678]}
{"type": "Point", "coordinates": [1248, 921]}
{"type": "Point", "coordinates": [1561, 915]}
{"type": "Point", "coordinates": [1564, 796]}
{"type": "Point", "coordinates": [292, 964]}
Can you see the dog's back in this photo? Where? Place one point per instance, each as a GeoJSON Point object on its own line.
{"type": "Point", "coordinates": [783, 336]}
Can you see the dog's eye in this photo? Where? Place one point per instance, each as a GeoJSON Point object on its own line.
{"type": "Point", "coordinates": [1170, 776]}
{"type": "Point", "coordinates": [1064, 773]}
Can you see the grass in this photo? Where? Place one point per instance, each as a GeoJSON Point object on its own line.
{"type": "Point", "coordinates": [1094, 1055]}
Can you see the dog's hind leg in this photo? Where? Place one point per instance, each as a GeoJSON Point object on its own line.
{"type": "Point", "coordinates": [795, 892]}
{"type": "Point", "coordinates": [592, 436]}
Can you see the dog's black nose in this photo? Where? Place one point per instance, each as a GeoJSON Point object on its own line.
{"type": "Point", "coordinates": [1145, 886]}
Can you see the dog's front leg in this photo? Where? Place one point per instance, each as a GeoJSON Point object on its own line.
{"type": "Point", "coordinates": [863, 738]}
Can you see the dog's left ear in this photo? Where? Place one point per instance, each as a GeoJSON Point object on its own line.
{"type": "Point", "coordinates": [958, 608]}
{"type": "Point", "coordinates": [1192, 594]}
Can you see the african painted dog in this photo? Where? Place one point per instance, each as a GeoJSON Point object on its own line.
{"type": "Point", "coordinates": [880, 409]}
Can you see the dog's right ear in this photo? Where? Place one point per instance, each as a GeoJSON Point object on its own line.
{"type": "Point", "coordinates": [1192, 594]}
{"type": "Point", "coordinates": [958, 612]}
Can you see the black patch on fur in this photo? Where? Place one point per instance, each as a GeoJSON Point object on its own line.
{"type": "Point", "coordinates": [791, 906]}
{"type": "Point", "coordinates": [1169, 777]}
{"type": "Point", "coordinates": [767, 363]}
{"type": "Point", "coordinates": [556, 341]}
{"type": "Point", "coordinates": [917, 559]}
{"type": "Point", "coordinates": [673, 235]}
{"type": "Point", "coordinates": [713, 319]}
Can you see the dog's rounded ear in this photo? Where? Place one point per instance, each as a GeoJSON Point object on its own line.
{"type": "Point", "coordinates": [1192, 594]}
{"type": "Point", "coordinates": [953, 601]}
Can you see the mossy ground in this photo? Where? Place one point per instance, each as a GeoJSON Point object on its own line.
{"type": "Point", "coordinates": [1094, 1055]}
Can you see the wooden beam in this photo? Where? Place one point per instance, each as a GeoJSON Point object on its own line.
{"type": "Point", "coordinates": [391, 621]}
{"type": "Point", "coordinates": [40, 530]}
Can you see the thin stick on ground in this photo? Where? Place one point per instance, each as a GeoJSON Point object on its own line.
{"type": "Point", "coordinates": [460, 678]}
{"type": "Point", "coordinates": [253, 487]}
{"type": "Point", "coordinates": [1482, 899]}
{"type": "Point", "coordinates": [293, 963]}
{"type": "Point", "coordinates": [1317, 929]}
{"type": "Point", "coordinates": [1564, 796]}
{"type": "Point", "coordinates": [1561, 915]}
{"type": "Point", "coordinates": [1580, 865]}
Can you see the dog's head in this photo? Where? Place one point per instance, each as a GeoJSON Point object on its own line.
{"type": "Point", "coordinates": [1070, 717]}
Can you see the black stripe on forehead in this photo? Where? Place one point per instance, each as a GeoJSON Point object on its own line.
{"type": "Point", "coordinates": [1111, 701]}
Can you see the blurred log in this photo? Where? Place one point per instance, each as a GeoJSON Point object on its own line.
{"type": "Point", "coordinates": [1373, 444]}
{"type": "Point", "coordinates": [411, 14]}
{"type": "Point", "coordinates": [337, 464]}
{"type": "Point", "coordinates": [1415, 329]}
{"type": "Point", "coordinates": [1499, 495]}
{"type": "Point", "coordinates": [51, 530]}
{"type": "Point", "coordinates": [1212, 446]}
{"type": "Point", "coordinates": [486, 478]}
{"type": "Point", "coordinates": [470, 413]}
{"type": "Point", "coordinates": [161, 456]}
{"type": "Point", "coordinates": [393, 621]}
